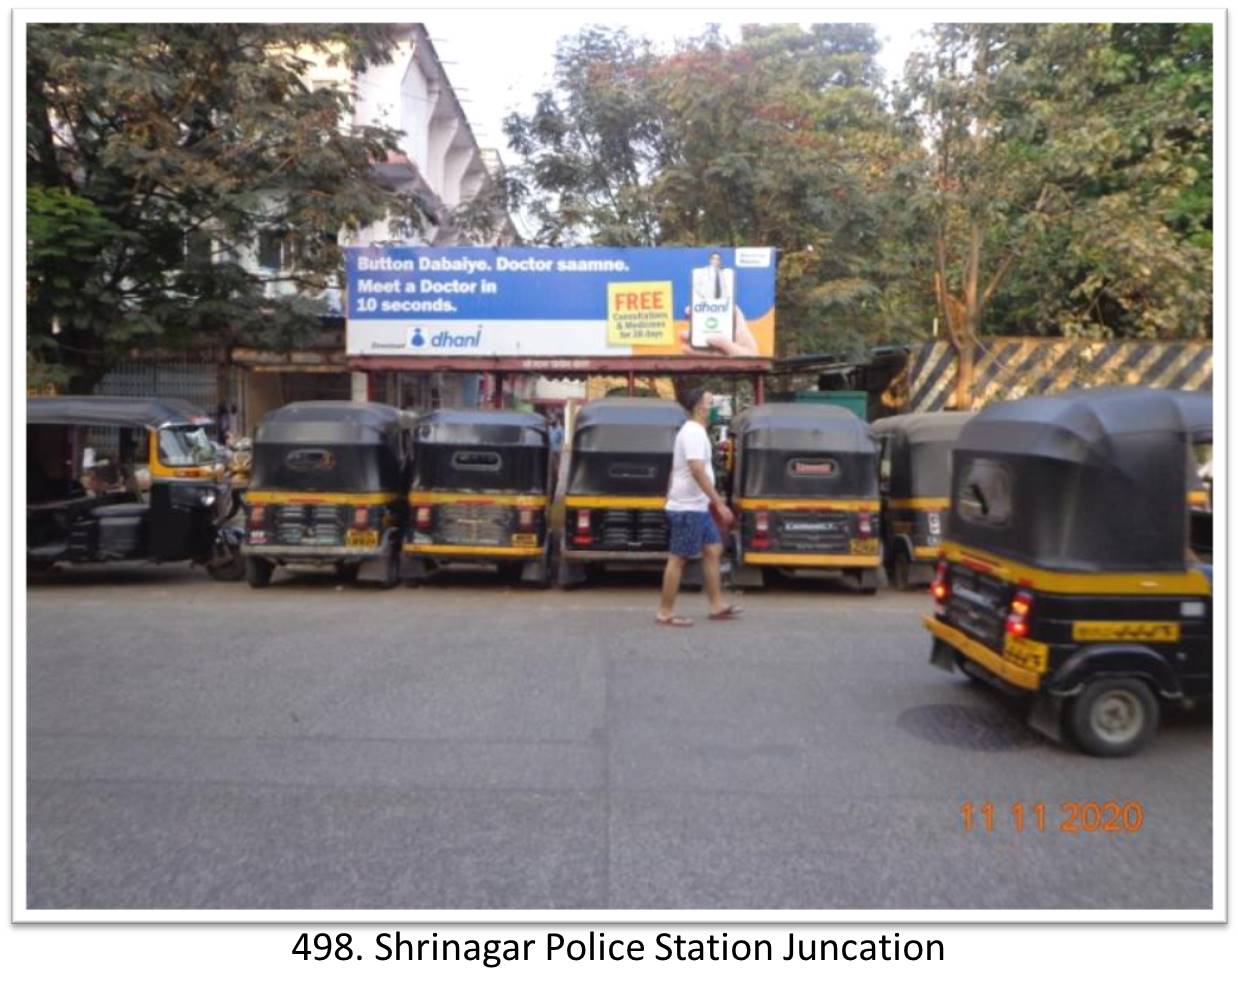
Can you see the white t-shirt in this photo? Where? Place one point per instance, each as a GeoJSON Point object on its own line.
{"type": "Point", "coordinates": [684, 494]}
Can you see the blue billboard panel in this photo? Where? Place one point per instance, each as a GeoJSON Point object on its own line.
{"type": "Point", "coordinates": [494, 301]}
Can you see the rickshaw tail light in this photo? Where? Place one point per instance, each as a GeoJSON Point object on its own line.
{"type": "Point", "coordinates": [257, 514]}
{"type": "Point", "coordinates": [526, 518]}
{"type": "Point", "coordinates": [423, 517]}
{"type": "Point", "coordinates": [941, 585]}
{"type": "Point", "coordinates": [584, 528]}
{"type": "Point", "coordinates": [1020, 609]}
{"type": "Point", "coordinates": [865, 523]}
{"type": "Point", "coordinates": [760, 536]}
{"type": "Point", "coordinates": [360, 516]}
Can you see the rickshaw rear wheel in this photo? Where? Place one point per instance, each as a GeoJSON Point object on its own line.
{"type": "Point", "coordinates": [511, 573]}
{"type": "Point", "coordinates": [391, 568]}
{"type": "Point", "coordinates": [38, 570]}
{"type": "Point", "coordinates": [1113, 717]}
{"type": "Point", "coordinates": [347, 573]}
{"type": "Point", "coordinates": [900, 573]}
{"type": "Point", "coordinates": [865, 582]}
{"type": "Point", "coordinates": [258, 571]}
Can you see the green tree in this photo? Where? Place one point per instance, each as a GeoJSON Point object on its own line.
{"type": "Point", "coordinates": [592, 144]}
{"type": "Point", "coordinates": [143, 141]}
{"type": "Point", "coordinates": [1066, 179]}
{"type": "Point", "coordinates": [779, 139]}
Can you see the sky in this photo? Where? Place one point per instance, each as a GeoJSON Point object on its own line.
{"type": "Point", "coordinates": [498, 67]}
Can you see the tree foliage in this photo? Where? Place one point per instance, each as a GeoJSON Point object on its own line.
{"type": "Point", "coordinates": [1067, 180]}
{"type": "Point", "coordinates": [1022, 178]}
{"type": "Point", "coordinates": [145, 140]}
{"type": "Point", "coordinates": [780, 139]}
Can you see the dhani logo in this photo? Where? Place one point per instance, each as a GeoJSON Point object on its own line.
{"type": "Point", "coordinates": [702, 307]}
{"type": "Point", "coordinates": [447, 340]}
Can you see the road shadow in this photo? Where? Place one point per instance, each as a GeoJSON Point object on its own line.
{"type": "Point", "coordinates": [96, 575]}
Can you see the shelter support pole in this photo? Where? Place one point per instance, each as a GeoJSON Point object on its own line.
{"type": "Point", "coordinates": [497, 400]}
{"type": "Point", "coordinates": [631, 383]}
{"type": "Point", "coordinates": [758, 388]}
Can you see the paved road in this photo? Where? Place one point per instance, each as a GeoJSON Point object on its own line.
{"type": "Point", "coordinates": [198, 745]}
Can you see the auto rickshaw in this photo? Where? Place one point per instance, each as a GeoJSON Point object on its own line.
{"type": "Point", "coordinates": [1196, 408]}
{"type": "Point", "coordinates": [480, 494]}
{"type": "Point", "coordinates": [1065, 573]}
{"type": "Point", "coordinates": [125, 479]}
{"type": "Point", "coordinates": [804, 491]}
{"type": "Point", "coordinates": [914, 479]}
{"type": "Point", "coordinates": [329, 487]}
{"type": "Point", "coordinates": [614, 486]}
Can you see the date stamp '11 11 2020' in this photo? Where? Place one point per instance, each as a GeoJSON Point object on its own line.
{"type": "Point", "coordinates": [1112, 816]}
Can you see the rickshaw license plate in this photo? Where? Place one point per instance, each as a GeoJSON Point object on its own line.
{"type": "Point", "coordinates": [1028, 654]}
{"type": "Point", "coordinates": [524, 539]}
{"type": "Point", "coordinates": [362, 537]}
{"type": "Point", "coordinates": [864, 546]}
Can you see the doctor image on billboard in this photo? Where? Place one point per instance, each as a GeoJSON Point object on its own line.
{"type": "Point", "coordinates": [716, 324]}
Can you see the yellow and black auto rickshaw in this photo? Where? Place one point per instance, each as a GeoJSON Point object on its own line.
{"type": "Point", "coordinates": [804, 491]}
{"type": "Point", "coordinates": [123, 479]}
{"type": "Point", "coordinates": [1196, 408]}
{"type": "Point", "coordinates": [329, 488]}
{"type": "Point", "coordinates": [1065, 573]}
{"type": "Point", "coordinates": [615, 482]}
{"type": "Point", "coordinates": [480, 494]}
{"type": "Point", "coordinates": [914, 479]}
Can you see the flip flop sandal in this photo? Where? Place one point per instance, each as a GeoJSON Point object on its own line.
{"type": "Point", "coordinates": [729, 612]}
{"type": "Point", "coordinates": [674, 621]}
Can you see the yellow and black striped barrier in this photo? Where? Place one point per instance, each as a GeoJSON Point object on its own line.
{"type": "Point", "coordinates": [1011, 368]}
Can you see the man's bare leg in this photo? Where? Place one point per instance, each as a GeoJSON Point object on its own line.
{"type": "Point", "coordinates": [711, 564]}
{"type": "Point", "coordinates": [670, 586]}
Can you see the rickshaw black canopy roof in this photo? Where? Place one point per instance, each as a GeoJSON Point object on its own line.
{"type": "Point", "coordinates": [1100, 428]}
{"type": "Point", "coordinates": [924, 427]}
{"type": "Point", "coordinates": [1095, 481]}
{"type": "Point", "coordinates": [1195, 406]}
{"type": "Point", "coordinates": [358, 423]}
{"type": "Point", "coordinates": [790, 426]}
{"type": "Point", "coordinates": [919, 451]}
{"type": "Point", "coordinates": [631, 411]}
{"type": "Point", "coordinates": [101, 410]}
{"type": "Point", "coordinates": [628, 425]}
{"type": "Point", "coordinates": [496, 428]}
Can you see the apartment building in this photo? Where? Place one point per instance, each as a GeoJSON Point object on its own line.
{"type": "Point", "coordinates": [439, 159]}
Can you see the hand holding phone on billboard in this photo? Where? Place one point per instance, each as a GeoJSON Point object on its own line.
{"type": "Point", "coordinates": [739, 342]}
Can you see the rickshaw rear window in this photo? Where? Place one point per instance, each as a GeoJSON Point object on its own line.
{"type": "Point", "coordinates": [185, 446]}
{"type": "Point", "coordinates": [308, 460]}
{"type": "Point", "coordinates": [984, 495]}
{"type": "Point", "coordinates": [486, 461]}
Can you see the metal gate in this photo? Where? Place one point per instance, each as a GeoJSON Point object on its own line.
{"type": "Point", "coordinates": [194, 382]}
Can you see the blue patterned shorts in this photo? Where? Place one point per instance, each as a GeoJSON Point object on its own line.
{"type": "Point", "coordinates": [690, 531]}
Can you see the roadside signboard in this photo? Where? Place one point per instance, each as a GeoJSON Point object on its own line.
{"type": "Point", "coordinates": [495, 301]}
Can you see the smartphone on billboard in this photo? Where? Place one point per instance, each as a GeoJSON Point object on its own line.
{"type": "Point", "coordinates": [713, 303]}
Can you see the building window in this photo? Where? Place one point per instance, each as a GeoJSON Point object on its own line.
{"type": "Point", "coordinates": [197, 249]}
{"type": "Point", "coordinates": [274, 250]}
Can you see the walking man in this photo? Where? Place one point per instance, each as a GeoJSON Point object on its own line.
{"type": "Point", "coordinates": [688, 501]}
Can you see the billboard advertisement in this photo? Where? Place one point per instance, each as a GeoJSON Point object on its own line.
{"type": "Point", "coordinates": [591, 302]}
